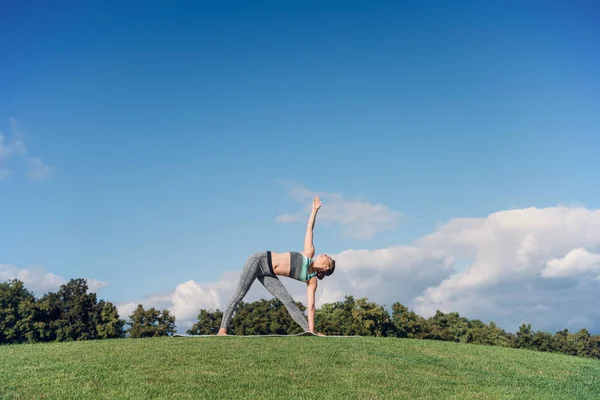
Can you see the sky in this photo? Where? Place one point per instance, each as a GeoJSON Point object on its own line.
{"type": "Point", "coordinates": [152, 147]}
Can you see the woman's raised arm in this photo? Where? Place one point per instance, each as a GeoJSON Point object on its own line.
{"type": "Point", "coordinates": [309, 247]}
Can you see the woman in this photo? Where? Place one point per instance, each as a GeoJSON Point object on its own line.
{"type": "Point", "coordinates": [266, 266]}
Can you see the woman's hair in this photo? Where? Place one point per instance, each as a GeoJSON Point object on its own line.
{"type": "Point", "coordinates": [323, 274]}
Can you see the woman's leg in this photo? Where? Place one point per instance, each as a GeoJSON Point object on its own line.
{"type": "Point", "coordinates": [274, 285]}
{"type": "Point", "coordinates": [245, 282]}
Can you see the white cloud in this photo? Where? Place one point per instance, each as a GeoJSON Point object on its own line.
{"type": "Point", "coordinates": [512, 254]}
{"type": "Point", "coordinates": [36, 280]}
{"type": "Point", "coordinates": [125, 309]}
{"type": "Point", "coordinates": [359, 219]}
{"type": "Point", "coordinates": [576, 262]}
{"type": "Point", "coordinates": [13, 149]}
{"type": "Point", "coordinates": [39, 281]}
{"type": "Point", "coordinates": [95, 285]}
{"type": "Point", "coordinates": [188, 298]}
{"type": "Point", "coordinates": [386, 275]}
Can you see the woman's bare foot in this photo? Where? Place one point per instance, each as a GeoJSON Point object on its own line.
{"type": "Point", "coordinates": [222, 332]}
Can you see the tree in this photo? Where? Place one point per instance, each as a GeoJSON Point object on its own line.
{"type": "Point", "coordinates": [594, 346]}
{"type": "Point", "coordinates": [337, 319]}
{"type": "Point", "coordinates": [407, 323]}
{"type": "Point", "coordinates": [165, 323]}
{"type": "Point", "coordinates": [561, 343]}
{"type": "Point", "coordinates": [524, 338]}
{"type": "Point", "coordinates": [72, 313]}
{"type": "Point", "coordinates": [280, 320]}
{"type": "Point", "coordinates": [477, 333]}
{"type": "Point", "coordinates": [251, 318]}
{"type": "Point", "coordinates": [496, 336]}
{"type": "Point", "coordinates": [264, 317]}
{"type": "Point", "coordinates": [450, 327]}
{"type": "Point", "coordinates": [16, 312]}
{"type": "Point", "coordinates": [76, 321]}
{"type": "Point", "coordinates": [353, 317]}
{"type": "Point", "coordinates": [107, 322]}
{"type": "Point", "coordinates": [151, 323]}
{"type": "Point", "coordinates": [542, 341]}
{"type": "Point", "coordinates": [48, 317]}
{"type": "Point", "coordinates": [208, 323]}
{"type": "Point", "coordinates": [373, 318]}
{"type": "Point", "coordinates": [583, 344]}
{"type": "Point", "coordinates": [488, 334]}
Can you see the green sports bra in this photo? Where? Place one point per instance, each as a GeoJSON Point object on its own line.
{"type": "Point", "coordinates": [304, 271]}
{"type": "Point", "coordinates": [299, 267]}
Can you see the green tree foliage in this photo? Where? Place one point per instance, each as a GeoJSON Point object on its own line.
{"type": "Point", "coordinates": [107, 322]}
{"type": "Point", "coordinates": [373, 318]}
{"type": "Point", "coordinates": [408, 324]}
{"type": "Point", "coordinates": [337, 319]}
{"type": "Point", "coordinates": [150, 323]}
{"type": "Point", "coordinates": [585, 345]}
{"type": "Point", "coordinates": [353, 317]}
{"type": "Point", "coordinates": [264, 317]}
{"type": "Point", "coordinates": [542, 341]}
{"type": "Point", "coordinates": [594, 351]}
{"type": "Point", "coordinates": [76, 305]}
{"type": "Point", "coordinates": [252, 318]}
{"type": "Point", "coordinates": [16, 312]}
{"type": "Point", "coordinates": [208, 323]}
{"type": "Point", "coordinates": [450, 327]}
{"type": "Point", "coordinates": [524, 338]}
{"type": "Point", "coordinates": [561, 342]}
{"type": "Point", "coordinates": [364, 318]}
{"type": "Point", "coordinates": [48, 317]}
{"type": "Point", "coordinates": [69, 314]}
{"type": "Point", "coordinates": [72, 313]}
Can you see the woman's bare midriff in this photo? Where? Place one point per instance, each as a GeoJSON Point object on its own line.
{"type": "Point", "coordinates": [281, 263]}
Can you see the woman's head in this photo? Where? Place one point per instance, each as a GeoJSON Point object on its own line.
{"type": "Point", "coordinates": [324, 265]}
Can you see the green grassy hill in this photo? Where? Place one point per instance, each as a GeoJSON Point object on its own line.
{"type": "Point", "coordinates": [290, 367]}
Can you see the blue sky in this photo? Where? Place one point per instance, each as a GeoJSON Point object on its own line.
{"type": "Point", "coordinates": [170, 133]}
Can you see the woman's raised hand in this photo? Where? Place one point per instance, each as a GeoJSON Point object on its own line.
{"type": "Point", "coordinates": [316, 203]}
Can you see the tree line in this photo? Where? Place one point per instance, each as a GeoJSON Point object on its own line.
{"type": "Point", "coordinates": [364, 318]}
{"type": "Point", "coordinates": [72, 313]}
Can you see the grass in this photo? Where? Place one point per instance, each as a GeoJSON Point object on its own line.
{"type": "Point", "coordinates": [290, 368]}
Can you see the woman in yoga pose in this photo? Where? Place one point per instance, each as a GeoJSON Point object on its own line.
{"type": "Point", "coordinates": [266, 266]}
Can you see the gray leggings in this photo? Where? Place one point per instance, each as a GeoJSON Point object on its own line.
{"type": "Point", "coordinates": [258, 266]}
